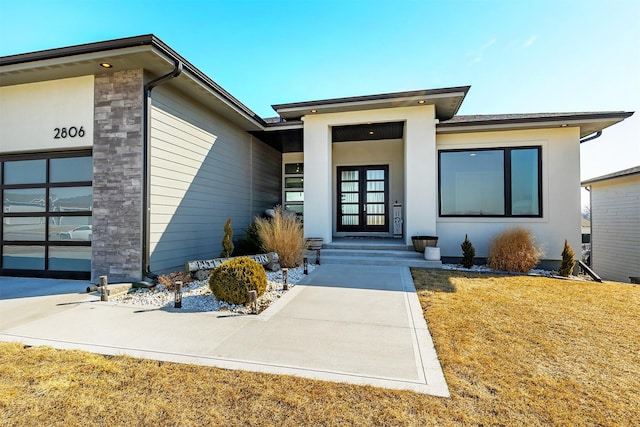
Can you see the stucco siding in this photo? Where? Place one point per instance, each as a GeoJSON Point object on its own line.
{"type": "Point", "coordinates": [615, 228]}
{"type": "Point", "coordinates": [560, 218]}
{"type": "Point", "coordinates": [203, 170]}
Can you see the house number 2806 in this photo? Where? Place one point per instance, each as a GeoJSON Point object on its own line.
{"type": "Point", "coordinates": [72, 132]}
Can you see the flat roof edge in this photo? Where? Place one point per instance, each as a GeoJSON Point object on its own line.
{"type": "Point", "coordinates": [459, 90]}
{"type": "Point", "coordinates": [541, 118]}
{"type": "Point", "coordinates": [60, 52]}
{"type": "Point", "coordinates": [144, 40]}
{"type": "Point", "coordinates": [619, 174]}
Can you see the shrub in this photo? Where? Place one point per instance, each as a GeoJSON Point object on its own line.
{"type": "Point", "coordinates": [566, 268]}
{"type": "Point", "coordinates": [232, 281]}
{"type": "Point", "coordinates": [227, 242]}
{"type": "Point", "coordinates": [468, 252]}
{"type": "Point", "coordinates": [169, 280]}
{"type": "Point", "coordinates": [249, 244]}
{"type": "Point", "coordinates": [514, 250]}
{"type": "Point", "coordinates": [283, 235]}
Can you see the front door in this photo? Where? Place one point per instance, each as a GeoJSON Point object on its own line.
{"type": "Point", "coordinates": [363, 193]}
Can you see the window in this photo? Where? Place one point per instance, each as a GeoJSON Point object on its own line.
{"type": "Point", "coordinates": [491, 182]}
{"type": "Point", "coordinates": [294, 187]}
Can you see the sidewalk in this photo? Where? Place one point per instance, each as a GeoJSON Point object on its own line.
{"type": "Point", "coordinates": [341, 323]}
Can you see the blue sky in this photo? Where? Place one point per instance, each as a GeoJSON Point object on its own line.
{"type": "Point", "coordinates": [517, 55]}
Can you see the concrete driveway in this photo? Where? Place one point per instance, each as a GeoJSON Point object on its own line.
{"type": "Point", "coordinates": [341, 323]}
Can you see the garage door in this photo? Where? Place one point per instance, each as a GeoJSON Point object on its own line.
{"type": "Point", "coordinates": [46, 215]}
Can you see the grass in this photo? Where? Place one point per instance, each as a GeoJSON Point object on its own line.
{"type": "Point", "coordinates": [284, 235]}
{"type": "Point", "coordinates": [515, 351]}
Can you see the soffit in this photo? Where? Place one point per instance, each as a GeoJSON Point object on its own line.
{"type": "Point", "coordinates": [144, 52]}
{"type": "Point", "coordinates": [588, 122]}
{"type": "Point", "coordinates": [447, 101]}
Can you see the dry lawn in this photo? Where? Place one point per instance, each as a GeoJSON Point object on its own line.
{"type": "Point", "coordinates": [515, 351]}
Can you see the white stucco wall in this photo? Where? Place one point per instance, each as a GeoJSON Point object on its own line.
{"type": "Point", "coordinates": [560, 193]}
{"type": "Point", "coordinates": [615, 228]}
{"type": "Point", "coordinates": [419, 167]}
{"type": "Point", "coordinates": [30, 114]}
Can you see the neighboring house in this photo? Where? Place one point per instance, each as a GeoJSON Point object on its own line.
{"type": "Point", "coordinates": [615, 224]}
{"type": "Point", "coordinates": [130, 138]}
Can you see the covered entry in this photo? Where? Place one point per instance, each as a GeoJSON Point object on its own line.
{"type": "Point", "coordinates": [363, 198]}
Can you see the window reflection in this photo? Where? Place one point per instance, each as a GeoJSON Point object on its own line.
{"type": "Point", "coordinates": [70, 258]}
{"type": "Point", "coordinates": [24, 200]}
{"type": "Point", "coordinates": [72, 169]}
{"type": "Point", "coordinates": [71, 199]}
{"type": "Point", "coordinates": [23, 257]}
{"type": "Point", "coordinates": [25, 172]}
{"type": "Point", "coordinates": [23, 228]}
{"type": "Point", "coordinates": [74, 228]}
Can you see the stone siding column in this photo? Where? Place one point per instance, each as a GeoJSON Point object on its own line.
{"type": "Point", "coordinates": [117, 176]}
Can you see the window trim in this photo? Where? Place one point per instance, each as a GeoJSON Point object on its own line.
{"type": "Point", "coordinates": [507, 181]}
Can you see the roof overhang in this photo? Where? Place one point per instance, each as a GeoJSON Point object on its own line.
{"type": "Point", "coordinates": [447, 101]}
{"type": "Point", "coordinates": [588, 123]}
{"type": "Point", "coordinates": [615, 175]}
{"type": "Point", "coordinates": [142, 52]}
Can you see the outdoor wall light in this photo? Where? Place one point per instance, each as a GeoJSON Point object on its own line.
{"type": "Point", "coordinates": [305, 263]}
{"type": "Point", "coordinates": [285, 276]}
{"type": "Point", "coordinates": [178, 302]}
{"type": "Point", "coordinates": [106, 65]}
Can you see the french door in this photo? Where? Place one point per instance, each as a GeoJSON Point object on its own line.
{"type": "Point", "coordinates": [363, 193]}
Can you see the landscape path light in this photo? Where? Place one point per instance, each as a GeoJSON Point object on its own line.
{"type": "Point", "coordinates": [178, 288]}
{"type": "Point", "coordinates": [253, 299]}
{"type": "Point", "coordinates": [305, 263]}
{"type": "Point", "coordinates": [285, 276]}
{"type": "Point", "coordinates": [104, 292]}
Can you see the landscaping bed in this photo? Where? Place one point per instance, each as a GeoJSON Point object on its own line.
{"type": "Point", "coordinates": [196, 295]}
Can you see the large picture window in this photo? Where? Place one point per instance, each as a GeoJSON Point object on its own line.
{"type": "Point", "coordinates": [491, 182]}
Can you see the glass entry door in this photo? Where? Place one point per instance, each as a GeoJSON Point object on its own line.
{"type": "Point", "coordinates": [363, 193]}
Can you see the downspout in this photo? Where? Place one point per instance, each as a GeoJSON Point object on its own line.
{"type": "Point", "coordinates": [146, 165]}
{"type": "Point", "coordinates": [597, 135]}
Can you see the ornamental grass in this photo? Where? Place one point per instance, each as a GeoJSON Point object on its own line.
{"type": "Point", "coordinates": [284, 235]}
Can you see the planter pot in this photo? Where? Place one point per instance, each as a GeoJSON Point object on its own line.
{"type": "Point", "coordinates": [421, 242]}
{"type": "Point", "coordinates": [314, 243]}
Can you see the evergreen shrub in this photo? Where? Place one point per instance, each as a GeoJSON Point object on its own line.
{"type": "Point", "coordinates": [232, 281]}
{"type": "Point", "coordinates": [468, 252]}
{"type": "Point", "coordinates": [566, 268]}
{"type": "Point", "coordinates": [227, 241]}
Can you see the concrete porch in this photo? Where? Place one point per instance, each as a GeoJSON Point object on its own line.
{"type": "Point", "coordinates": [373, 251]}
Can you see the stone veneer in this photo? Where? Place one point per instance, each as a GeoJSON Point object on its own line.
{"type": "Point", "coordinates": [117, 176]}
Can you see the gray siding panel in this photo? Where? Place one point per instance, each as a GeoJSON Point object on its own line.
{"type": "Point", "coordinates": [203, 170]}
{"type": "Point", "coordinates": [615, 228]}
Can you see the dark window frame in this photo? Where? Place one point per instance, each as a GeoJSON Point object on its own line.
{"type": "Point", "coordinates": [47, 214]}
{"type": "Point", "coordinates": [507, 181]}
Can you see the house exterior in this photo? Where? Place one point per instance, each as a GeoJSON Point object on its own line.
{"type": "Point", "coordinates": [615, 224]}
{"type": "Point", "coordinates": [120, 158]}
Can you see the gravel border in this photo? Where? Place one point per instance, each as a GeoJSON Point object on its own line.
{"type": "Point", "coordinates": [196, 295]}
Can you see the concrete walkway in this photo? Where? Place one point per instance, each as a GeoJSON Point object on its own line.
{"type": "Point", "coordinates": [341, 323]}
